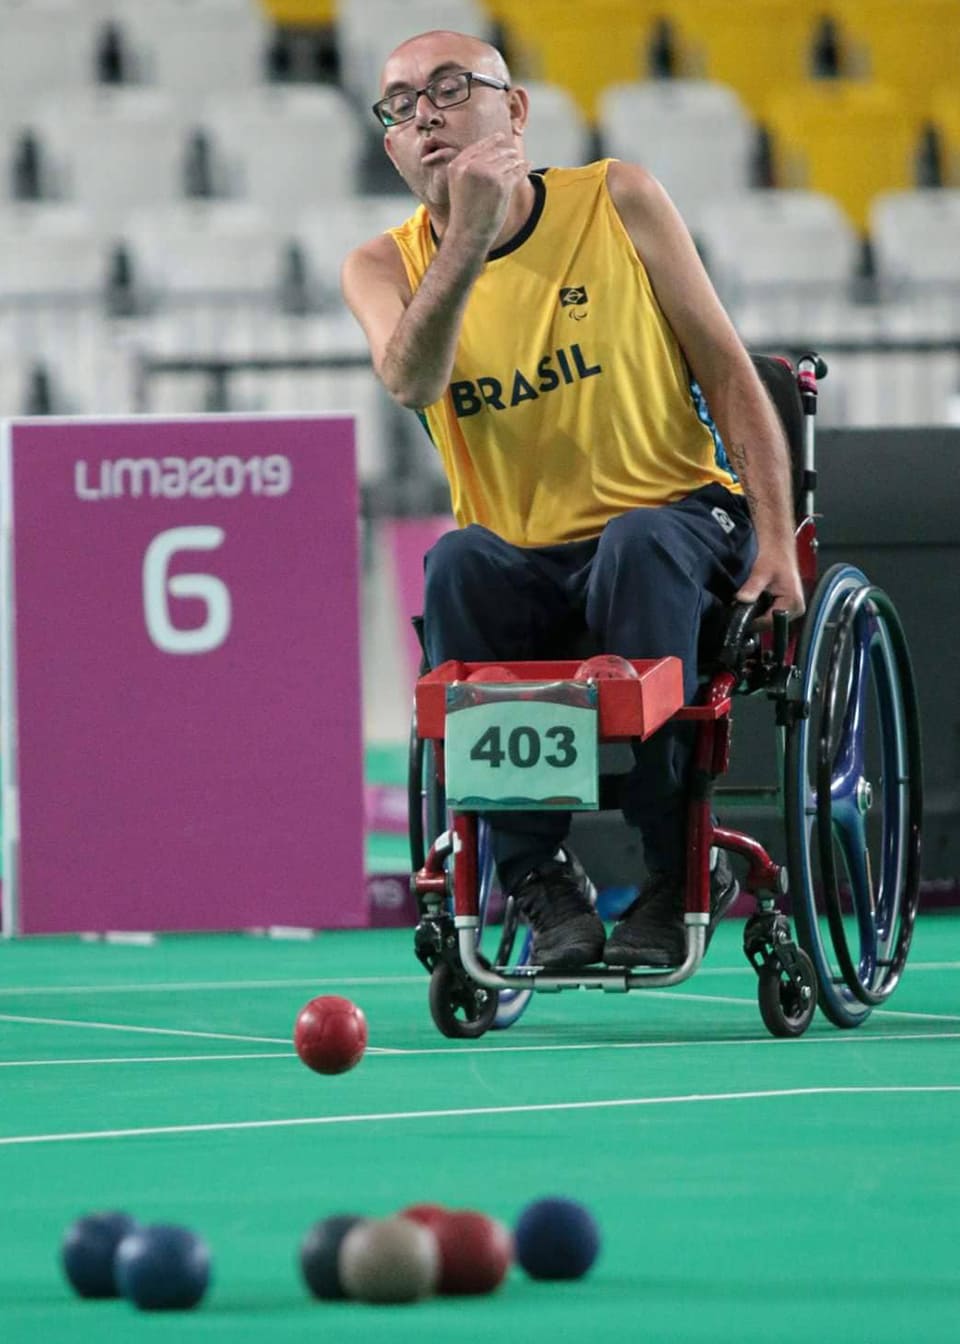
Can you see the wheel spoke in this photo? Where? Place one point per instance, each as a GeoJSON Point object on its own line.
{"type": "Point", "coordinates": [850, 833]}
{"type": "Point", "coordinates": [848, 754]}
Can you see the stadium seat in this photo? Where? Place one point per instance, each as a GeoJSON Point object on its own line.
{"type": "Point", "coordinates": [284, 147]}
{"type": "Point", "coordinates": [753, 45]}
{"type": "Point", "coordinates": [300, 13]}
{"type": "Point", "coordinates": [326, 233]}
{"type": "Point", "coordinates": [192, 48]}
{"type": "Point", "coordinates": [696, 137]}
{"type": "Point", "coordinates": [944, 109]}
{"type": "Point", "coordinates": [45, 45]}
{"type": "Point", "coordinates": [204, 253]}
{"type": "Point", "coordinates": [368, 30]}
{"type": "Point", "coordinates": [62, 359]}
{"type": "Point", "coordinates": [846, 139]}
{"type": "Point", "coordinates": [762, 243]}
{"type": "Point", "coordinates": [50, 250]}
{"type": "Point", "coordinates": [916, 240]}
{"type": "Point", "coordinates": [557, 134]}
{"type": "Point", "coordinates": [911, 47]}
{"type": "Point", "coordinates": [551, 41]}
{"type": "Point", "coordinates": [112, 150]}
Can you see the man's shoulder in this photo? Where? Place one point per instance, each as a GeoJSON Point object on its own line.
{"type": "Point", "coordinates": [585, 173]}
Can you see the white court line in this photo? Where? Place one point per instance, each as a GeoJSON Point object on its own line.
{"type": "Point", "coordinates": [148, 1031]}
{"type": "Point", "coordinates": [475, 1052]}
{"type": "Point", "coordinates": [179, 986]}
{"type": "Point", "coordinates": [465, 1111]}
{"type": "Point", "coordinates": [752, 1003]}
{"type": "Point", "coordinates": [141, 1059]}
{"type": "Point", "coordinates": [374, 981]}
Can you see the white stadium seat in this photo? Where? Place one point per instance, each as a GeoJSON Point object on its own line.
{"type": "Point", "coordinates": [285, 148]}
{"type": "Point", "coordinates": [368, 30]}
{"type": "Point", "coordinates": [204, 250]}
{"type": "Point", "coordinates": [557, 136]}
{"type": "Point", "coordinates": [193, 48]}
{"type": "Point", "coordinates": [50, 250]}
{"type": "Point", "coordinates": [326, 234]}
{"type": "Point", "coordinates": [45, 45]}
{"type": "Point", "coordinates": [774, 240]}
{"type": "Point", "coordinates": [112, 149]}
{"type": "Point", "coordinates": [916, 238]}
{"type": "Point", "coordinates": [693, 135]}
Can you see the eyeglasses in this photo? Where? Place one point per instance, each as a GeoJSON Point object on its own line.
{"type": "Point", "coordinates": [447, 91]}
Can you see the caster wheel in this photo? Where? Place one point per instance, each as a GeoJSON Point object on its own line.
{"type": "Point", "coordinates": [786, 1008]}
{"type": "Point", "coordinates": [459, 1007]}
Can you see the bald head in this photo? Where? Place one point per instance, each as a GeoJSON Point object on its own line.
{"type": "Point", "coordinates": [428, 52]}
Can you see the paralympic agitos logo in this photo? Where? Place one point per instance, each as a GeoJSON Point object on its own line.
{"type": "Point", "coordinates": [562, 366]}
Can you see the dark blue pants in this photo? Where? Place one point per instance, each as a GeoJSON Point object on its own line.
{"type": "Point", "coordinates": [645, 588]}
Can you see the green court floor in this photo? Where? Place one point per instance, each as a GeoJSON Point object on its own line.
{"type": "Point", "coordinates": [748, 1189]}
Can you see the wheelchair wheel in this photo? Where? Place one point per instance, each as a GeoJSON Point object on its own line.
{"type": "Point", "coordinates": [426, 804]}
{"type": "Point", "coordinates": [787, 1008]}
{"type": "Point", "coordinates": [853, 792]}
{"type": "Point", "coordinates": [427, 812]}
{"type": "Point", "coordinates": [459, 1007]}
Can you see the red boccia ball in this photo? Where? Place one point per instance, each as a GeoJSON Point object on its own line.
{"type": "Point", "coordinates": [606, 667]}
{"type": "Point", "coordinates": [330, 1034]}
{"type": "Point", "coordinates": [492, 672]}
{"type": "Point", "coordinates": [475, 1250]}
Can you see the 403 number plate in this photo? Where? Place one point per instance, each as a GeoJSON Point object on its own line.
{"type": "Point", "coordinates": [531, 745]}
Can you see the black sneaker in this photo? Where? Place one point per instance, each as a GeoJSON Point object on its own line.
{"type": "Point", "coordinates": [651, 931]}
{"type": "Point", "coordinates": [557, 901]}
{"type": "Point", "coordinates": [724, 890]}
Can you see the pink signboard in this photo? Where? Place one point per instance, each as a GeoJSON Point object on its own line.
{"type": "Point", "coordinates": [187, 674]}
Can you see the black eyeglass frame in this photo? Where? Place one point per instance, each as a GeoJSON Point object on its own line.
{"type": "Point", "coordinates": [471, 77]}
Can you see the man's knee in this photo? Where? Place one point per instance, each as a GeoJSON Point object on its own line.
{"type": "Point", "coordinates": [633, 534]}
{"type": "Point", "coordinates": [456, 559]}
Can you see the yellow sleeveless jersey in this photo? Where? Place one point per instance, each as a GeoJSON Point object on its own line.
{"type": "Point", "coordinates": [570, 399]}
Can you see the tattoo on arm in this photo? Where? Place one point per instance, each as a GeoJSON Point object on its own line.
{"type": "Point", "coordinates": [738, 456]}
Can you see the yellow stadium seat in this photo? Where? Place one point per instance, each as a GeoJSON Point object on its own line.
{"type": "Point", "coordinates": [910, 45]}
{"type": "Point", "coordinates": [944, 113]}
{"type": "Point", "coordinates": [300, 13]}
{"type": "Point", "coordinates": [583, 48]}
{"type": "Point", "coordinates": [847, 139]}
{"type": "Point", "coordinates": [756, 46]}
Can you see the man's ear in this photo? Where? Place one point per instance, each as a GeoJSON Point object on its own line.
{"type": "Point", "coordinates": [519, 102]}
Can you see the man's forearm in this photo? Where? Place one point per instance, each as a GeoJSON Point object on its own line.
{"type": "Point", "coordinates": [755, 443]}
{"type": "Point", "coordinates": [418, 360]}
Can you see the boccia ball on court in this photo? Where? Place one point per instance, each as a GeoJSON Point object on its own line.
{"type": "Point", "coordinates": [389, 1260]}
{"type": "Point", "coordinates": [88, 1249]}
{"type": "Point", "coordinates": [319, 1255]}
{"type": "Point", "coordinates": [556, 1238]}
{"type": "Point", "coordinates": [162, 1267]}
{"type": "Point", "coordinates": [475, 1253]}
{"type": "Point", "coordinates": [330, 1034]}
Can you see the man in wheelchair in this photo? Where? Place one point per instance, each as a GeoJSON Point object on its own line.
{"type": "Point", "coordinates": [616, 468]}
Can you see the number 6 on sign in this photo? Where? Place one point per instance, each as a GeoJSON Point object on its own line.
{"type": "Point", "coordinates": [158, 586]}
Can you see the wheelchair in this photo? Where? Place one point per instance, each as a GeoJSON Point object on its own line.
{"type": "Point", "coordinates": [849, 791]}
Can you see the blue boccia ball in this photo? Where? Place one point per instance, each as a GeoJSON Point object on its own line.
{"type": "Point", "coordinates": [162, 1268]}
{"type": "Point", "coordinates": [88, 1249]}
{"type": "Point", "coordinates": [556, 1239]}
